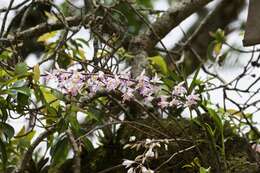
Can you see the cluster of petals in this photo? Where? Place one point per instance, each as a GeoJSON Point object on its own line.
{"type": "Point", "coordinates": [151, 146]}
{"type": "Point", "coordinates": [178, 98]}
{"type": "Point", "coordinates": [131, 169]}
{"type": "Point", "coordinates": [73, 82]}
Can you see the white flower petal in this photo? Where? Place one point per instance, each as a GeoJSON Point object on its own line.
{"type": "Point", "coordinates": [128, 163]}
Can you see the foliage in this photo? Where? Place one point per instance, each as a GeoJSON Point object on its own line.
{"type": "Point", "coordinates": [73, 111]}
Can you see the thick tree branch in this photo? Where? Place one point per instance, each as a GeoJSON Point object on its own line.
{"type": "Point", "coordinates": [198, 38]}
{"type": "Point", "coordinates": [146, 41]}
{"type": "Point", "coordinates": [169, 20]}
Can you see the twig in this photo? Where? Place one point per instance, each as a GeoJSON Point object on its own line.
{"type": "Point", "coordinates": [28, 154]}
{"type": "Point", "coordinates": [202, 24]}
{"type": "Point", "coordinates": [173, 155]}
{"type": "Point", "coordinates": [76, 150]}
{"type": "Point", "coordinates": [14, 8]}
{"type": "Point", "coordinates": [5, 17]}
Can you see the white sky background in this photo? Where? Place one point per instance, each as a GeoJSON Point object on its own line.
{"type": "Point", "coordinates": [228, 71]}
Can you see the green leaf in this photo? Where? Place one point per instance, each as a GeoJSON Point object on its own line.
{"type": "Point", "coordinates": [204, 170]}
{"type": "Point", "coordinates": [4, 106]}
{"type": "Point", "coordinates": [234, 112]}
{"type": "Point", "coordinates": [159, 63]}
{"type": "Point", "coordinates": [211, 136]}
{"type": "Point", "coordinates": [15, 90]}
{"type": "Point", "coordinates": [60, 151]}
{"type": "Point", "coordinates": [83, 41]}
{"type": "Point", "coordinates": [146, 3]}
{"type": "Point", "coordinates": [5, 55]}
{"type": "Point", "coordinates": [87, 144]}
{"type": "Point", "coordinates": [209, 131]}
{"type": "Point", "coordinates": [210, 51]}
{"type": "Point", "coordinates": [217, 120]}
{"type": "Point", "coordinates": [3, 73]}
{"type": "Point", "coordinates": [193, 83]}
{"type": "Point", "coordinates": [3, 154]}
{"type": "Point", "coordinates": [42, 162]}
{"type": "Point", "coordinates": [3, 114]}
{"type": "Point", "coordinates": [58, 94]}
{"type": "Point", "coordinates": [23, 90]}
{"type": "Point", "coordinates": [21, 132]}
{"type": "Point", "coordinates": [7, 130]}
{"type": "Point", "coordinates": [36, 73]}
{"type": "Point", "coordinates": [45, 37]}
{"type": "Point", "coordinates": [24, 138]}
{"type": "Point", "coordinates": [22, 101]}
{"type": "Point", "coordinates": [219, 35]}
{"type": "Point", "coordinates": [49, 97]}
{"type": "Point", "coordinates": [21, 69]}
{"type": "Point", "coordinates": [74, 123]}
{"type": "Point", "coordinates": [217, 48]}
{"type": "Point", "coordinates": [64, 60]}
{"type": "Point", "coordinates": [81, 53]}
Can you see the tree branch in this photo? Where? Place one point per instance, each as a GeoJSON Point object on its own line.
{"type": "Point", "coordinates": [28, 154]}
{"type": "Point", "coordinates": [39, 30]}
{"type": "Point", "coordinates": [76, 166]}
{"type": "Point", "coordinates": [146, 41]}
{"type": "Point", "coordinates": [48, 27]}
{"type": "Point", "coordinates": [170, 19]}
{"type": "Point", "coordinates": [139, 45]}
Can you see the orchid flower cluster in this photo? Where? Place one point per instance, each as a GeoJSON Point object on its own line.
{"type": "Point", "coordinates": [73, 82]}
{"type": "Point", "coordinates": [138, 164]}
